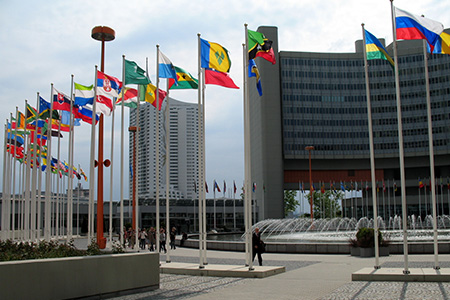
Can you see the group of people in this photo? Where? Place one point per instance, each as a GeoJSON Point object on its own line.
{"type": "Point", "coordinates": [147, 239]}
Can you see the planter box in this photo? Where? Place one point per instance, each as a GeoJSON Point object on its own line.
{"type": "Point", "coordinates": [354, 251]}
{"type": "Point", "coordinates": [77, 277]}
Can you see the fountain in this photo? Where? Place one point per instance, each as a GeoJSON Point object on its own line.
{"type": "Point", "coordinates": [339, 230]}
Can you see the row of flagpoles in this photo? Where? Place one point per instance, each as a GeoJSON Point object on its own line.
{"type": "Point", "coordinates": [405, 26]}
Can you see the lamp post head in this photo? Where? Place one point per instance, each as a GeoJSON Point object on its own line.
{"type": "Point", "coordinates": [103, 33]}
{"type": "Point", "coordinates": [309, 148]}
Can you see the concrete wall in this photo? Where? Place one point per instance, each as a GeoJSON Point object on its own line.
{"type": "Point", "coordinates": [75, 277]}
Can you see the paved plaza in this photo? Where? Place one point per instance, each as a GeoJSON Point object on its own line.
{"type": "Point", "coordinates": [306, 277]}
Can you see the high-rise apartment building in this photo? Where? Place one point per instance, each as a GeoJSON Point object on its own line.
{"type": "Point", "coordinates": [183, 149]}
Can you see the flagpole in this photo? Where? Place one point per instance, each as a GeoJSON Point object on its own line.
{"type": "Point", "coordinates": [13, 191]}
{"type": "Point", "coordinates": [400, 142]}
{"type": "Point", "coordinates": [48, 183]}
{"type": "Point", "coordinates": [58, 182]}
{"type": "Point", "coordinates": [27, 181]}
{"type": "Point", "coordinates": [92, 165]}
{"type": "Point", "coordinates": [202, 142]}
{"type": "Point", "coordinates": [234, 205]}
{"type": "Point", "coordinates": [431, 150]}
{"type": "Point", "coordinates": [248, 174]}
{"type": "Point", "coordinates": [372, 152]}
{"type": "Point", "coordinates": [4, 197]}
{"type": "Point", "coordinates": [201, 181]}
{"type": "Point", "coordinates": [111, 180]}
{"type": "Point", "coordinates": [214, 189]}
{"type": "Point", "coordinates": [70, 175]}
{"type": "Point", "coordinates": [136, 171]}
{"type": "Point", "coordinates": [34, 179]}
{"type": "Point", "coordinates": [167, 132]}
{"type": "Point", "coordinates": [157, 160]}
{"type": "Point", "coordinates": [122, 149]}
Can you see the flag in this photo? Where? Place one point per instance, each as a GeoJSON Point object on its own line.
{"type": "Point", "coordinates": [258, 45]}
{"type": "Point", "coordinates": [420, 184]}
{"type": "Point", "coordinates": [135, 74]}
{"type": "Point", "coordinates": [104, 105]}
{"type": "Point", "coordinates": [219, 78]}
{"type": "Point", "coordinates": [216, 186]}
{"type": "Point", "coordinates": [129, 96]}
{"type": "Point", "coordinates": [166, 68]}
{"type": "Point", "coordinates": [224, 187]}
{"type": "Point", "coordinates": [375, 50]}
{"type": "Point", "coordinates": [148, 93]}
{"type": "Point", "coordinates": [254, 72]}
{"type": "Point", "coordinates": [17, 152]}
{"type": "Point", "coordinates": [235, 189]}
{"type": "Point", "coordinates": [44, 110]}
{"type": "Point", "coordinates": [322, 189]}
{"type": "Point", "coordinates": [254, 187]}
{"type": "Point", "coordinates": [31, 113]}
{"type": "Point", "coordinates": [342, 187]}
{"type": "Point", "coordinates": [83, 174]}
{"type": "Point", "coordinates": [367, 186]}
{"type": "Point", "coordinates": [442, 45]}
{"type": "Point", "coordinates": [214, 56]}
{"type": "Point", "coordinates": [185, 80]}
{"type": "Point", "coordinates": [395, 187]}
{"type": "Point", "coordinates": [20, 121]}
{"type": "Point", "coordinates": [85, 114]}
{"type": "Point", "coordinates": [60, 101]}
{"type": "Point", "coordinates": [413, 27]}
{"type": "Point", "coordinates": [84, 94]}
{"type": "Point", "coordinates": [65, 121]}
{"type": "Point", "coordinates": [206, 187]}
{"type": "Point", "coordinates": [107, 85]}
{"type": "Point", "coordinates": [384, 187]}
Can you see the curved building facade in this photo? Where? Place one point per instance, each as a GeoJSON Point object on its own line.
{"type": "Point", "coordinates": [319, 99]}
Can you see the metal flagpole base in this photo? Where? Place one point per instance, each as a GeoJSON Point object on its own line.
{"type": "Point", "coordinates": [377, 267]}
{"type": "Point", "coordinates": [168, 261]}
{"type": "Point", "coordinates": [251, 269]}
{"type": "Point", "coordinates": [201, 267]}
{"type": "Point", "coordinates": [437, 268]}
{"type": "Point", "coordinates": [406, 272]}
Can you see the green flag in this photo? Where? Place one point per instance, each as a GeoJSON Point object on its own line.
{"type": "Point", "coordinates": [185, 80]}
{"type": "Point", "coordinates": [135, 74]}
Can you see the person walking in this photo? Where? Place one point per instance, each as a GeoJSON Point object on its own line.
{"type": "Point", "coordinates": [142, 237]}
{"type": "Point", "coordinates": [258, 245]}
{"type": "Point", "coordinates": [173, 234]}
{"type": "Point", "coordinates": [152, 239]}
{"type": "Point", "coordinates": [162, 240]}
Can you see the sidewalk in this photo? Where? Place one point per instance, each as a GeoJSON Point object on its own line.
{"type": "Point", "coordinates": [306, 277]}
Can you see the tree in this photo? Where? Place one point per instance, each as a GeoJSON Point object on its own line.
{"type": "Point", "coordinates": [326, 205]}
{"type": "Point", "coordinates": [290, 203]}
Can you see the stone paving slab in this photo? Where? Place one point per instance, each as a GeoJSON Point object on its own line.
{"type": "Point", "coordinates": [396, 274]}
{"type": "Point", "coordinates": [220, 270]}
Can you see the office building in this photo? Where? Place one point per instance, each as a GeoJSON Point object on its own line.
{"type": "Point", "coordinates": [319, 99]}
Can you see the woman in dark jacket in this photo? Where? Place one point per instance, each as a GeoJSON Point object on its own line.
{"type": "Point", "coordinates": [257, 245]}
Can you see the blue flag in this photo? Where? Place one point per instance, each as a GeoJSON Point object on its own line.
{"type": "Point", "coordinates": [254, 72]}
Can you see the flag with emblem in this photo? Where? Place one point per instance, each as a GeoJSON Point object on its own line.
{"type": "Point", "coordinates": [259, 45]}
{"type": "Point", "coordinates": [60, 101]}
{"type": "Point", "coordinates": [108, 87]}
{"type": "Point", "coordinates": [185, 80]}
{"type": "Point", "coordinates": [254, 72]}
{"type": "Point", "coordinates": [129, 96]}
{"type": "Point", "coordinates": [148, 93]}
{"type": "Point", "coordinates": [214, 56]}
{"type": "Point", "coordinates": [134, 74]}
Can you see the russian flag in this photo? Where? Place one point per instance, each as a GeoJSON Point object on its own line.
{"type": "Point", "coordinates": [413, 27]}
{"type": "Point", "coordinates": [85, 114]}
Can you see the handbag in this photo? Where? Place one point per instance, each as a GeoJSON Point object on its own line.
{"type": "Point", "coordinates": [263, 247]}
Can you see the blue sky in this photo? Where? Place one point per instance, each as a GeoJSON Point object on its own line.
{"type": "Point", "coordinates": [44, 42]}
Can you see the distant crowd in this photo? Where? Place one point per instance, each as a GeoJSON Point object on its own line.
{"type": "Point", "coordinates": [147, 239]}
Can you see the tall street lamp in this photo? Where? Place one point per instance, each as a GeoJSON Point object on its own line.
{"type": "Point", "coordinates": [309, 149]}
{"type": "Point", "coordinates": [103, 34]}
